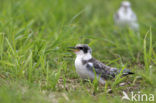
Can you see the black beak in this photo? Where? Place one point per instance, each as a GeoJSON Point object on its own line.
{"type": "Point", "coordinates": [71, 48]}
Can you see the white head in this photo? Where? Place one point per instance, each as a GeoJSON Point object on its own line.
{"type": "Point", "coordinates": [82, 50]}
{"type": "Point", "coordinates": [126, 5]}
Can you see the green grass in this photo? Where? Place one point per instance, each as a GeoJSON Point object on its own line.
{"type": "Point", "coordinates": [35, 65]}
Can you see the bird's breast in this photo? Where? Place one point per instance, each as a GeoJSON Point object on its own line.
{"type": "Point", "coordinates": [81, 69]}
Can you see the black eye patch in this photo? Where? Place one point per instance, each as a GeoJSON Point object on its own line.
{"type": "Point", "coordinates": [80, 48]}
{"type": "Point", "coordinates": [85, 49]}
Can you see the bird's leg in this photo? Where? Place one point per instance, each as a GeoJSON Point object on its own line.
{"type": "Point", "coordinates": [102, 81]}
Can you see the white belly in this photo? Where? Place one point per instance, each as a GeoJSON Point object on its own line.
{"type": "Point", "coordinates": [82, 71]}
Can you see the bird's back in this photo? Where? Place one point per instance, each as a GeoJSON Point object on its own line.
{"type": "Point", "coordinates": [105, 71]}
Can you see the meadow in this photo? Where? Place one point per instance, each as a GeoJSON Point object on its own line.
{"type": "Point", "coordinates": [36, 66]}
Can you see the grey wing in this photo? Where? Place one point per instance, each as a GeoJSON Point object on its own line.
{"type": "Point", "coordinates": [134, 24]}
{"type": "Point", "coordinates": [116, 16]}
{"type": "Point", "coordinates": [101, 69]}
{"type": "Point", "coordinates": [134, 17]}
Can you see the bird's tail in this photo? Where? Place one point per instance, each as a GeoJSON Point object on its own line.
{"type": "Point", "coordinates": [126, 72]}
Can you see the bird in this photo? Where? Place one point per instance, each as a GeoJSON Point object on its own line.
{"type": "Point", "coordinates": [87, 67]}
{"type": "Point", "coordinates": [125, 17]}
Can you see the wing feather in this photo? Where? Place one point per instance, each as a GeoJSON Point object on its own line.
{"type": "Point", "coordinates": [101, 69]}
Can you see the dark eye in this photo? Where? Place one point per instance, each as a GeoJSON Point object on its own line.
{"type": "Point", "coordinates": [80, 48]}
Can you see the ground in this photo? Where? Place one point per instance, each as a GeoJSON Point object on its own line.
{"type": "Point", "coordinates": [36, 66]}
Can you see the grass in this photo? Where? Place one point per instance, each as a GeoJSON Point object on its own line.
{"type": "Point", "coordinates": [35, 65]}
